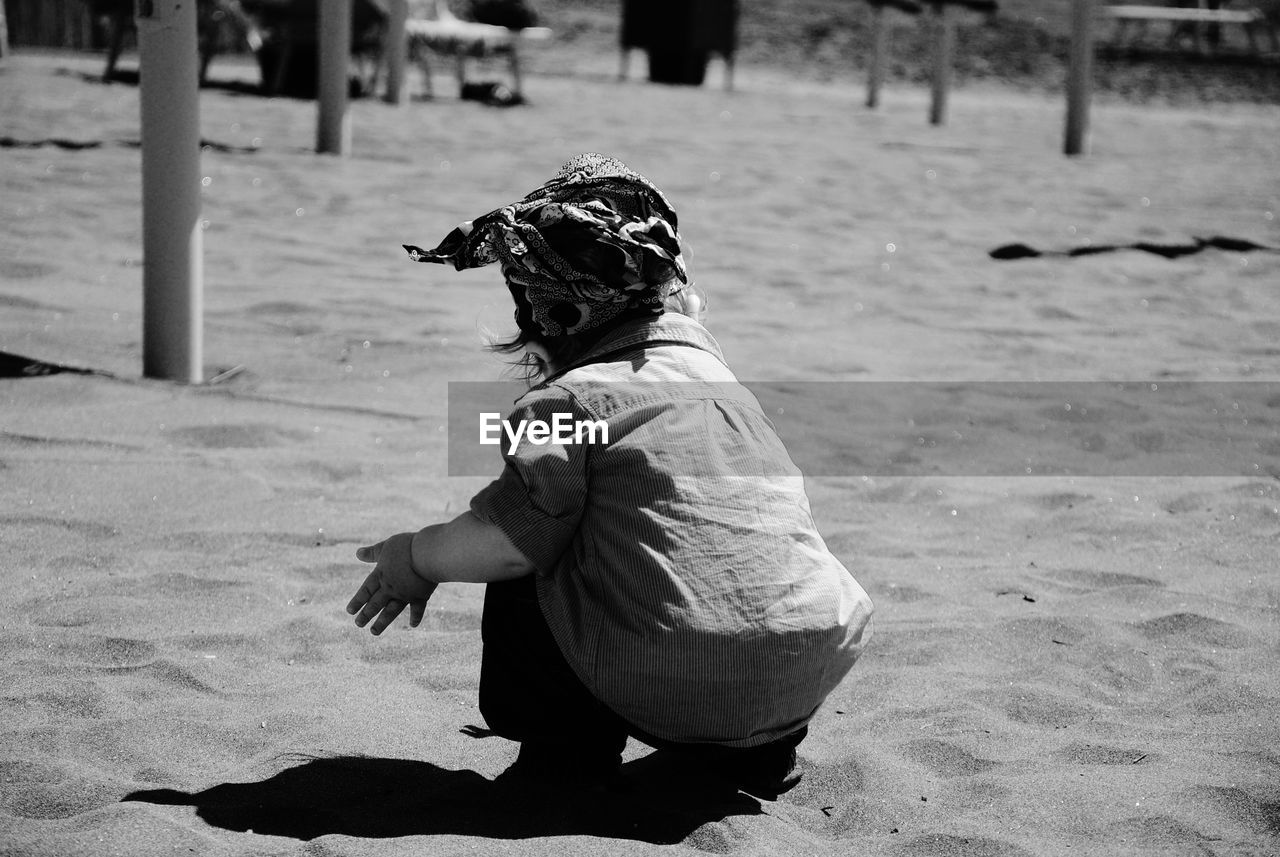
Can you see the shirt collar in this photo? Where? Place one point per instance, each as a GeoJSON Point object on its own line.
{"type": "Point", "coordinates": [670, 328]}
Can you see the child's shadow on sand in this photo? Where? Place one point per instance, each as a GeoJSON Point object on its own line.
{"type": "Point", "coordinates": [376, 798]}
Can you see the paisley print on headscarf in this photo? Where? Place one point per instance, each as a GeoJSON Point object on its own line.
{"type": "Point", "coordinates": [627, 257]}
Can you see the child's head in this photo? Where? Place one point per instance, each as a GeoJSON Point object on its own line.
{"type": "Point", "coordinates": [594, 247]}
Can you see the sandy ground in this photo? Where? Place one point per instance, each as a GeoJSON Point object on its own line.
{"type": "Point", "coordinates": [1062, 664]}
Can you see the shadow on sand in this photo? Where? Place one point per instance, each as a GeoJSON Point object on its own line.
{"type": "Point", "coordinates": [378, 798]}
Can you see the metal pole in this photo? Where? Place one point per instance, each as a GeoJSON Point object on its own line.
{"type": "Point", "coordinates": [879, 40]}
{"type": "Point", "coordinates": [4, 33]}
{"type": "Point", "coordinates": [395, 51]}
{"type": "Point", "coordinates": [944, 46]}
{"type": "Point", "coordinates": [333, 128]}
{"type": "Point", "coordinates": [172, 275]}
{"type": "Point", "coordinates": [1079, 79]}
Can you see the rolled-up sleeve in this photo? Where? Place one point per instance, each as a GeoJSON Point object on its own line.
{"type": "Point", "coordinates": [538, 499]}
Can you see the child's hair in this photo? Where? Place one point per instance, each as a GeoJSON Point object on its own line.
{"type": "Point", "coordinates": [684, 298]}
{"type": "Point", "coordinates": [590, 257]}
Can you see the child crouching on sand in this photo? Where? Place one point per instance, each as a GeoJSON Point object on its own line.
{"type": "Point", "coordinates": [670, 585]}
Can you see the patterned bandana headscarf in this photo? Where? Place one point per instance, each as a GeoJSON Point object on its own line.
{"type": "Point", "coordinates": [594, 201]}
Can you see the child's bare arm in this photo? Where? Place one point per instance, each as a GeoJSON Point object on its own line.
{"type": "Point", "coordinates": [409, 566]}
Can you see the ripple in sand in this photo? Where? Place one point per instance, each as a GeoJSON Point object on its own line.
{"type": "Point", "coordinates": [43, 792]}
{"type": "Point", "coordinates": [947, 760]}
{"type": "Point", "coordinates": [898, 646]}
{"type": "Point", "coordinates": [1160, 834]}
{"type": "Point", "coordinates": [901, 593]}
{"type": "Point", "coordinates": [1257, 814]}
{"type": "Point", "coordinates": [15, 302]}
{"type": "Point", "coordinates": [1097, 754]}
{"type": "Point", "coordinates": [167, 675]}
{"type": "Point", "coordinates": [233, 436]}
{"type": "Point", "coordinates": [1217, 696]}
{"type": "Point", "coordinates": [57, 613]}
{"type": "Point", "coordinates": [12, 270]}
{"type": "Point", "coordinates": [181, 583]}
{"type": "Point", "coordinates": [25, 523]}
{"type": "Point", "coordinates": [107, 651]}
{"type": "Point", "coordinates": [949, 845]}
{"type": "Point", "coordinates": [288, 308]}
{"type": "Point", "coordinates": [1063, 500]}
{"type": "Point", "coordinates": [820, 782]}
{"type": "Point", "coordinates": [1091, 579]}
{"type": "Point", "coordinates": [1054, 711]}
{"type": "Point", "coordinates": [716, 837]}
{"type": "Point", "coordinates": [1194, 629]}
{"type": "Point", "coordinates": [69, 698]}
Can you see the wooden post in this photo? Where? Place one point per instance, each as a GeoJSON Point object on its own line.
{"type": "Point", "coordinates": [395, 50]}
{"type": "Point", "coordinates": [944, 47]}
{"type": "Point", "coordinates": [172, 272]}
{"type": "Point", "coordinates": [879, 45]}
{"type": "Point", "coordinates": [1079, 79]}
{"type": "Point", "coordinates": [333, 131]}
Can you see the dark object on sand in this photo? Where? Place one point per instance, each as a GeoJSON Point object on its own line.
{"type": "Point", "coordinates": [17, 366]}
{"type": "Point", "coordinates": [1008, 252]}
{"type": "Point", "coordinates": [680, 36]}
{"type": "Point", "coordinates": [490, 92]}
{"type": "Point", "coordinates": [14, 143]}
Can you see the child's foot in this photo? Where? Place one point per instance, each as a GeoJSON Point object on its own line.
{"type": "Point", "coordinates": [765, 778]}
{"type": "Point", "coordinates": [762, 775]}
{"type": "Point", "coordinates": [561, 765]}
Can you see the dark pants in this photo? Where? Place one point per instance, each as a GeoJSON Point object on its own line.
{"type": "Point", "coordinates": [528, 693]}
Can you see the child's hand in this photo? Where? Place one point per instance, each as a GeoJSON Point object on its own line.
{"type": "Point", "coordinates": [391, 585]}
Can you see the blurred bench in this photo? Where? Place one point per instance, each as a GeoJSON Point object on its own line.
{"type": "Point", "coordinates": [433, 28]}
{"type": "Point", "coordinates": [1192, 18]}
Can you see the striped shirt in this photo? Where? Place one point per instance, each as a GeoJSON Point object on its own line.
{"type": "Point", "coordinates": [678, 565]}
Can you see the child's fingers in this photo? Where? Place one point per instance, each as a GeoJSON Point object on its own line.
{"type": "Point", "coordinates": [390, 611]}
{"type": "Point", "coordinates": [369, 553]}
{"type": "Point", "coordinates": [417, 609]}
{"type": "Point", "coordinates": [372, 608]}
{"type": "Point", "coordinates": [366, 592]}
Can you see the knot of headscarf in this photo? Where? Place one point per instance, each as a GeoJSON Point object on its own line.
{"type": "Point", "coordinates": [594, 244]}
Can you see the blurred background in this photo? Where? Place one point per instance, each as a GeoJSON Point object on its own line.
{"type": "Point", "coordinates": [1023, 43]}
